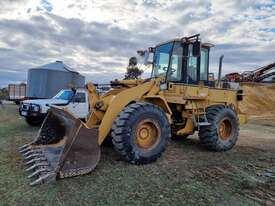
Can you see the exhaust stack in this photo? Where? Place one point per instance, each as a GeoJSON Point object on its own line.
{"type": "Point", "coordinates": [220, 70]}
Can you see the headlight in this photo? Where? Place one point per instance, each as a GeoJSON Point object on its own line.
{"type": "Point", "coordinates": [25, 106]}
{"type": "Point", "coordinates": [35, 108]}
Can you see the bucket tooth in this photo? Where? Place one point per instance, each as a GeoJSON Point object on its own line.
{"type": "Point", "coordinates": [39, 159]}
{"type": "Point", "coordinates": [32, 152]}
{"type": "Point", "coordinates": [29, 152]}
{"type": "Point", "coordinates": [49, 177]}
{"type": "Point", "coordinates": [37, 172]}
{"type": "Point", "coordinates": [64, 147]}
{"type": "Point", "coordinates": [24, 146]}
{"type": "Point", "coordinates": [37, 165]}
{"type": "Point", "coordinates": [25, 150]}
{"type": "Point", "coordinates": [33, 155]}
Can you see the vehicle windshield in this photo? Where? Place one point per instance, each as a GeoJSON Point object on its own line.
{"type": "Point", "coordinates": [64, 94]}
{"type": "Point", "coordinates": [161, 59]}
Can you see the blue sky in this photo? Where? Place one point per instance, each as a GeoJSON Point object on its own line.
{"type": "Point", "coordinates": [97, 37]}
{"type": "Point", "coordinates": [45, 5]}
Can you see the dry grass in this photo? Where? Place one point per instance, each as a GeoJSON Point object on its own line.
{"type": "Point", "coordinates": [259, 100]}
{"type": "Point", "coordinates": [185, 175]}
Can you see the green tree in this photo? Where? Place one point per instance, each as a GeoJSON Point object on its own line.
{"type": "Point", "coordinates": [133, 72]}
{"type": "Point", "coordinates": [4, 93]}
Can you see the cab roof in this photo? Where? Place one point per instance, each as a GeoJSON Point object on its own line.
{"type": "Point", "coordinates": [208, 45]}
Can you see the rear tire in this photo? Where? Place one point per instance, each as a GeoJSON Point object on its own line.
{"type": "Point", "coordinates": [141, 132]}
{"type": "Point", "coordinates": [34, 121]}
{"type": "Point", "coordinates": [223, 132]}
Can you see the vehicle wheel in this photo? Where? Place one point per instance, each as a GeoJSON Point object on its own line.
{"type": "Point", "coordinates": [34, 121]}
{"type": "Point", "coordinates": [141, 132]}
{"type": "Point", "coordinates": [223, 132]}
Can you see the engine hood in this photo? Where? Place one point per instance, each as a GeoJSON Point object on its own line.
{"type": "Point", "coordinates": [45, 101]}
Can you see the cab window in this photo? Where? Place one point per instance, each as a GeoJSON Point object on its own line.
{"type": "Point", "coordinates": [204, 64]}
{"type": "Point", "coordinates": [176, 63]}
{"type": "Point", "coordinates": [161, 60]}
{"type": "Point", "coordinates": [80, 97]}
{"type": "Point", "coordinates": [192, 63]}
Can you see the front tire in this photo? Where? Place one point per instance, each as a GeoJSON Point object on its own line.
{"type": "Point", "coordinates": [34, 121]}
{"type": "Point", "coordinates": [223, 132]}
{"type": "Point", "coordinates": [141, 132]}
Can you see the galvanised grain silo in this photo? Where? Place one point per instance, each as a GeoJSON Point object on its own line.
{"type": "Point", "coordinates": [45, 81]}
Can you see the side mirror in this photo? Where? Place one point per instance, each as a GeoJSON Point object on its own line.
{"type": "Point", "coordinates": [146, 58]}
{"type": "Point", "coordinates": [196, 50]}
{"type": "Point", "coordinates": [147, 55]}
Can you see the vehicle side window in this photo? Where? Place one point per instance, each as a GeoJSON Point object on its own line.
{"type": "Point", "coordinates": [161, 60]}
{"type": "Point", "coordinates": [80, 97]}
{"type": "Point", "coordinates": [176, 63]}
{"type": "Point", "coordinates": [204, 64]}
{"type": "Point", "coordinates": [192, 70]}
{"type": "Point", "coordinates": [63, 94]}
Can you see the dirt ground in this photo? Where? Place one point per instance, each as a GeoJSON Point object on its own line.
{"type": "Point", "coordinates": [186, 174]}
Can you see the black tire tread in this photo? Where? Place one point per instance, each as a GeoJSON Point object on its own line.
{"type": "Point", "coordinates": [34, 121]}
{"type": "Point", "coordinates": [208, 135]}
{"type": "Point", "coordinates": [119, 130]}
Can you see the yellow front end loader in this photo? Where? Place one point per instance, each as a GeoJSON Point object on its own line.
{"type": "Point", "coordinates": [140, 116]}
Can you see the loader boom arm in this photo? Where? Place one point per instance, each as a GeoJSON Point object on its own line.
{"type": "Point", "coordinates": [118, 102]}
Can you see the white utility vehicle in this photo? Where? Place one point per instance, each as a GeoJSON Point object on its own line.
{"type": "Point", "coordinates": [74, 100]}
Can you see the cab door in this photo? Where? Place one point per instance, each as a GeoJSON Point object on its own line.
{"type": "Point", "coordinates": [197, 68]}
{"type": "Point", "coordinates": [204, 66]}
{"type": "Point", "coordinates": [176, 64]}
{"type": "Point", "coordinates": [79, 105]}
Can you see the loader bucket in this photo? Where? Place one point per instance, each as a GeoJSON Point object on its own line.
{"type": "Point", "coordinates": [64, 147]}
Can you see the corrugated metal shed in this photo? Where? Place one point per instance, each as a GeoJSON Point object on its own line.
{"type": "Point", "coordinates": [45, 81]}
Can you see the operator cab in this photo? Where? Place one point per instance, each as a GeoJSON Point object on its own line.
{"type": "Point", "coordinates": [183, 60]}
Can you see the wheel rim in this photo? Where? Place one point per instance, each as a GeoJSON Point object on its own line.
{"type": "Point", "coordinates": [147, 134]}
{"type": "Point", "coordinates": [225, 129]}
